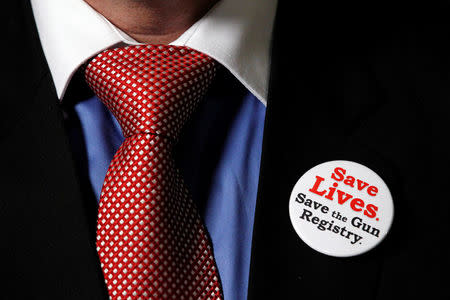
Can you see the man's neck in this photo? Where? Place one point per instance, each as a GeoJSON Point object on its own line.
{"type": "Point", "coordinates": [152, 21]}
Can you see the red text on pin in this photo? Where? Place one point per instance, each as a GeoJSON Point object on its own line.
{"type": "Point", "coordinates": [356, 204]}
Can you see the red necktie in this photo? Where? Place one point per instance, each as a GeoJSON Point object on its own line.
{"type": "Point", "coordinates": [150, 238]}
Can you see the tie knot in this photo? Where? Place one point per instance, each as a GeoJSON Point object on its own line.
{"type": "Point", "coordinates": [150, 88]}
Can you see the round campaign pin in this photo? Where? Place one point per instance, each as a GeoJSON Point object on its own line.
{"type": "Point", "coordinates": [341, 208]}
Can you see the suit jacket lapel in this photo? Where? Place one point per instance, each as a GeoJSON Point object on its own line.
{"type": "Point", "coordinates": [51, 246]}
{"type": "Point", "coordinates": [311, 115]}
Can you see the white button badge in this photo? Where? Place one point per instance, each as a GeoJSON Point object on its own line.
{"type": "Point", "coordinates": [341, 208]}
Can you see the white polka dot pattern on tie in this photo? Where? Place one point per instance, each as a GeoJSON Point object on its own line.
{"type": "Point", "coordinates": [150, 238]}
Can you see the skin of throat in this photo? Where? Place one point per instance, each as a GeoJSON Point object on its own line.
{"type": "Point", "coordinates": [152, 21]}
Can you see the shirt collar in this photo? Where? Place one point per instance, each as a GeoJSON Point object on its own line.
{"type": "Point", "coordinates": [236, 33]}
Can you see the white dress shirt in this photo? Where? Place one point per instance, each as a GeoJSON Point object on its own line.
{"type": "Point", "coordinates": [236, 33]}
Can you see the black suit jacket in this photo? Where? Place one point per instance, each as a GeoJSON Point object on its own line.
{"type": "Point", "coordinates": [369, 90]}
